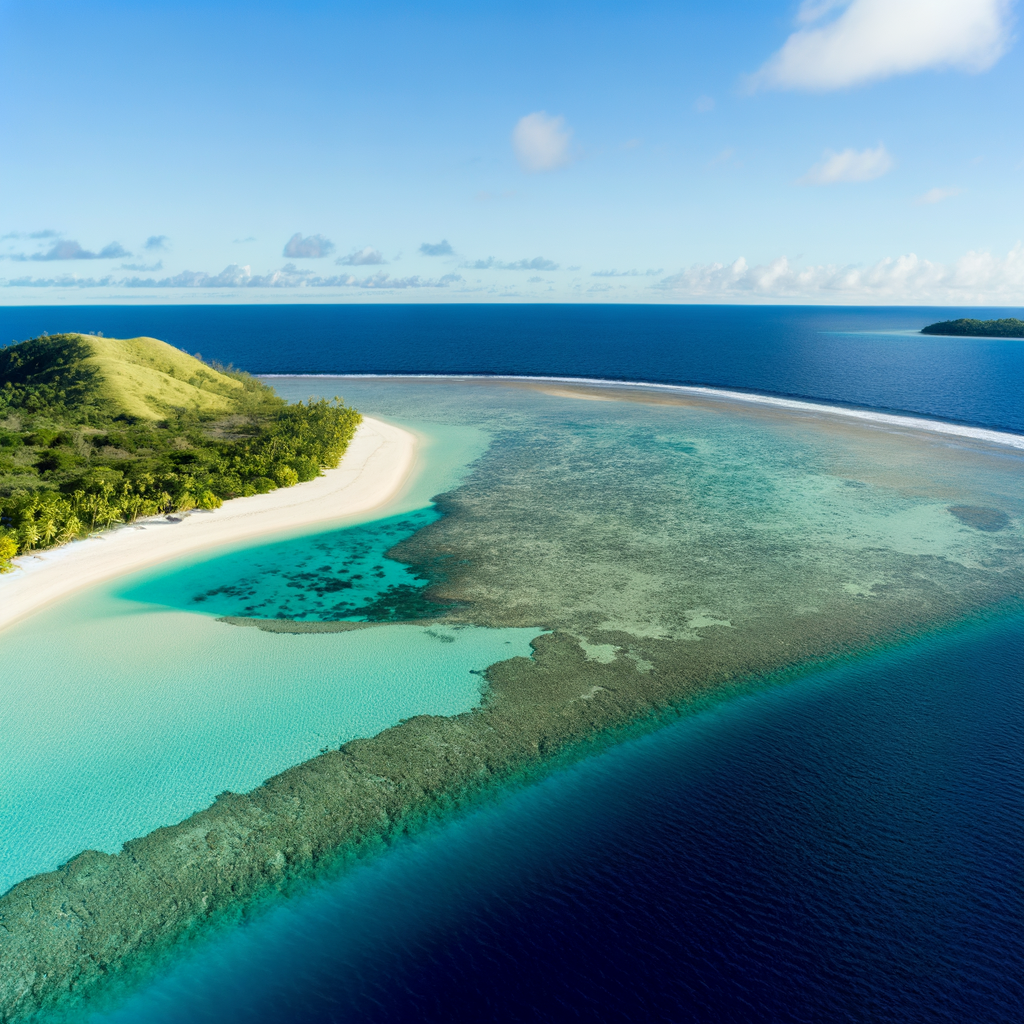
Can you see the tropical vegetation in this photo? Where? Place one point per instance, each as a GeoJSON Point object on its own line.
{"type": "Point", "coordinates": [1009, 327]}
{"type": "Point", "coordinates": [97, 431]}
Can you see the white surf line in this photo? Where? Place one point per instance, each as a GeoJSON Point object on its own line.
{"type": "Point", "coordinates": [999, 437]}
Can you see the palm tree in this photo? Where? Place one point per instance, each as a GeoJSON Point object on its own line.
{"type": "Point", "coordinates": [73, 526]}
{"type": "Point", "coordinates": [29, 535]}
{"type": "Point", "coordinates": [48, 526]}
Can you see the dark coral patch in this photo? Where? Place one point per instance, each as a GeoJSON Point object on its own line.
{"type": "Point", "coordinates": [988, 519]}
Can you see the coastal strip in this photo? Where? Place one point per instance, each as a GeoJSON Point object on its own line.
{"type": "Point", "coordinates": [376, 464]}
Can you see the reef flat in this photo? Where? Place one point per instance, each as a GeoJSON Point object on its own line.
{"type": "Point", "coordinates": [676, 553]}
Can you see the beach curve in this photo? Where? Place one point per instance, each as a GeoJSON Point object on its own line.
{"type": "Point", "coordinates": [376, 464]}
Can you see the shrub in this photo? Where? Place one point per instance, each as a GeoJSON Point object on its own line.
{"type": "Point", "coordinates": [207, 499]}
{"type": "Point", "coordinates": [286, 476]}
{"type": "Point", "coordinates": [8, 549]}
{"type": "Point", "coordinates": [305, 468]}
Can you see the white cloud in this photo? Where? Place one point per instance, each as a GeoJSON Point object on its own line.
{"type": "Point", "coordinates": [156, 243]}
{"type": "Point", "coordinates": [976, 278]}
{"type": "Point", "coordinates": [850, 165]}
{"type": "Point", "coordinates": [936, 195]}
{"type": "Point", "coordinates": [313, 247]}
{"type": "Point", "coordinates": [704, 104]}
{"type": "Point", "coordinates": [873, 39]}
{"type": "Point", "coordinates": [362, 258]}
{"type": "Point", "coordinates": [442, 248]}
{"type": "Point", "coordinates": [541, 142]}
{"type": "Point", "coordinates": [70, 250]}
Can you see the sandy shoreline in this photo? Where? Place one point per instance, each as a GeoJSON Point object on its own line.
{"type": "Point", "coordinates": [377, 463]}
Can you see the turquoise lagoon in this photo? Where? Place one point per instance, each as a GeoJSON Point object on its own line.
{"type": "Point", "coordinates": [722, 531]}
{"type": "Point", "coordinates": [129, 706]}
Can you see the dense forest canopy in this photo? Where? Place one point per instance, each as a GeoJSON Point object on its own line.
{"type": "Point", "coordinates": [1007, 328]}
{"type": "Point", "coordinates": [96, 431]}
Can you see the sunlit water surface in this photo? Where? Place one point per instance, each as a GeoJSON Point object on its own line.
{"type": "Point", "coordinates": [842, 849]}
{"type": "Point", "coordinates": [121, 713]}
{"type": "Point", "coordinates": [801, 853]}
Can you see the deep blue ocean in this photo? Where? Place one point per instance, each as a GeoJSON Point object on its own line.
{"type": "Point", "coordinates": [852, 355]}
{"type": "Point", "coordinates": [846, 848]}
{"type": "Point", "coordinates": [843, 848]}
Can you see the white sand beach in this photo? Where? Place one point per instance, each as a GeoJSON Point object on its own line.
{"type": "Point", "coordinates": [378, 461]}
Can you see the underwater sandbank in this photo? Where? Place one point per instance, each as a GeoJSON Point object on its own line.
{"type": "Point", "coordinates": [377, 463]}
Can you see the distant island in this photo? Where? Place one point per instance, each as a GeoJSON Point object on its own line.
{"type": "Point", "coordinates": [96, 431]}
{"type": "Point", "coordinates": [1007, 328]}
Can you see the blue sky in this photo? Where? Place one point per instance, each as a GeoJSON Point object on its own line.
{"type": "Point", "coordinates": [851, 151]}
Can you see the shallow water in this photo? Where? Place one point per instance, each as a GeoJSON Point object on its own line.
{"type": "Point", "coordinates": [843, 848]}
{"type": "Point", "coordinates": [137, 719]}
{"type": "Point", "coordinates": [338, 575]}
{"type": "Point", "coordinates": [676, 550]}
{"type": "Point", "coordinates": [121, 713]}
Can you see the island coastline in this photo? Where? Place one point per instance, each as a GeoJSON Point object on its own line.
{"type": "Point", "coordinates": [373, 470]}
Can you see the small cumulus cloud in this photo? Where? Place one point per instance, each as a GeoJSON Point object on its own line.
{"type": "Point", "coordinates": [114, 251]}
{"type": "Point", "coordinates": [537, 263]}
{"type": "Point", "coordinates": [69, 250]}
{"type": "Point", "coordinates": [143, 267]}
{"type": "Point", "coordinates": [704, 104]}
{"type": "Point", "coordinates": [936, 195]}
{"type": "Point", "coordinates": [156, 243]}
{"type": "Point", "coordinates": [849, 166]}
{"type": "Point", "coordinates": [442, 248]}
{"type": "Point", "coordinates": [541, 143]}
{"type": "Point", "coordinates": [361, 258]}
{"type": "Point", "coordinates": [312, 247]}
{"type": "Point", "coordinates": [241, 241]}
{"type": "Point", "coordinates": [535, 280]}
{"type": "Point", "coordinates": [842, 43]}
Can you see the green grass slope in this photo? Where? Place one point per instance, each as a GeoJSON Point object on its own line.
{"type": "Point", "coordinates": [96, 431]}
{"type": "Point", "coordinates": [139, 377]}
{"type": "Point", "coordinates": [148, 378]}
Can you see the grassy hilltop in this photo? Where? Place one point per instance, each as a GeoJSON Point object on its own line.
{"type": "Point", "coordinates": [95, 431]}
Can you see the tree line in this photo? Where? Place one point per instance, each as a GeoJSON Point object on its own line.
{"type": "Point", "coordinates": [67, 472]}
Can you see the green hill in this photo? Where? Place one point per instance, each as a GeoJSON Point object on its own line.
{"type": "Point", "coordinates": [140, 377]}
{"type": "Point", "coordinates": [1007, 328]}
{"type": "Point", "coordinates": [96, 431]}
